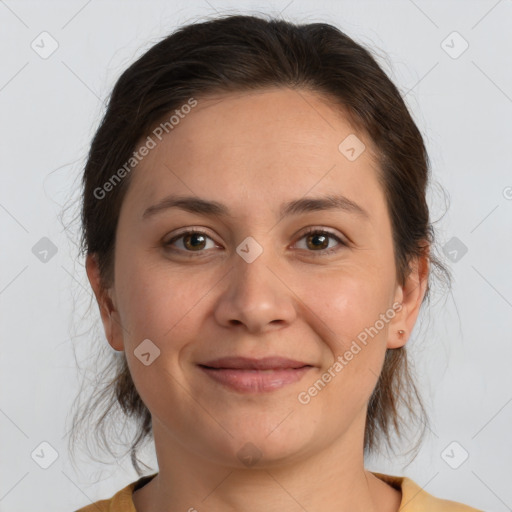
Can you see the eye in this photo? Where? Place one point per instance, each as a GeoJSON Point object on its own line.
{"type": "Point", "coordinates": [191, 241]}
{"type": "Point", "coordinates": [318, 240]}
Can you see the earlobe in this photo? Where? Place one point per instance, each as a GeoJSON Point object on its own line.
{"type": "Point", "coordinates": [397, 339]}
{"type": "Point", "coordinates": [105, 304]}
{"type": "Point", "coordinates": [397, 335]}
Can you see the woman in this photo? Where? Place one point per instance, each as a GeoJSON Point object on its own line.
{"type": "Point", "coordinates": [258, 240]}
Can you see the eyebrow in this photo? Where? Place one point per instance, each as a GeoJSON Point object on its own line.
{"type": "Point", "coordinates": [213, 208]}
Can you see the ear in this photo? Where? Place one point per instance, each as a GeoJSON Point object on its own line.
{"type": "Point", "coordinates": [410, 296]}
{"type": "Point", "coordinates": [108, 312]}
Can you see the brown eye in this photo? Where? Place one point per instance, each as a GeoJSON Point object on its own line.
{"type": "Point", "coordinates": [317, 241]}
{"type": "Point", "coordinates": [190, 241]}
{"type": "Point", "coordinates": [194, 241]}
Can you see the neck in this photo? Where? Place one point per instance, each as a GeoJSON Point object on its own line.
{"type": "Point", "coordinates": [331, 480]}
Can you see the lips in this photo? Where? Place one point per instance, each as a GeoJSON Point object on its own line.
{"type": "Point", "coordinates": [245, 363]}
{"type": "Point", "coordinates": [246, 375]}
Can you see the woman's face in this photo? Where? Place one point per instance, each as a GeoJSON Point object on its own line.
{"type": "Point", "coordinates": [254, 284]}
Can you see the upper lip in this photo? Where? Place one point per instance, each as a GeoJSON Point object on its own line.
{"type": "Point", "coordinates": [246, 363]}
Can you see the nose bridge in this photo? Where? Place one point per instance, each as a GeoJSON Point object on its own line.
{"type": "Point", "coordinates": [255, 295]}
{"type": "Point", "coordinates": [252, 262]}
{"type": "Point", "coordinates": [251, 273]}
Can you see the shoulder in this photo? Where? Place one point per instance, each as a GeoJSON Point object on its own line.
{"type": "Point", "coordinates": [415, 499]}
{"type": "Point", "coordinates": [121, 501]}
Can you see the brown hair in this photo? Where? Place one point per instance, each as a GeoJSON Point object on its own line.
{"type": "Point", "coordinates": [236, 53]}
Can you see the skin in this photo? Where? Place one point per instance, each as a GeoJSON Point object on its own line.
{"type": "Point", "coordinates": [252, 152]}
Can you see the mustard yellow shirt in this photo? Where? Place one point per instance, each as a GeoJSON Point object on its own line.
{"type": "Point", "coordinates": [414, 498]}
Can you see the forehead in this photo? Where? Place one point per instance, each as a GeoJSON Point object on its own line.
{"type": "Point", "coordinates": [263, 146]}
{"type": "Point", "coordinates": [274, 118]}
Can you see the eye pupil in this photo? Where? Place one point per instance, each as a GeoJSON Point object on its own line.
{"type": "Point", "coordinates": [324, 243]}
{"type": "Point", "coordinates": [194, 236]}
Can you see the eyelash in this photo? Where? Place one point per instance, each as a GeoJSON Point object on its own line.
{"type": "Point", "coordinates": [309, 231]}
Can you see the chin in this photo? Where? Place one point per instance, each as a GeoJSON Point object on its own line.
{"type": "Point", "coordinates": [260, 445]}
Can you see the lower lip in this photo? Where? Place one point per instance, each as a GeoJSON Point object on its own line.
{"type": "Point", "coordinates": [256, 381]}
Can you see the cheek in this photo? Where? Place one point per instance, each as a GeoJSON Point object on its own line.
{"type": "Point", "coordinates": [161, 304]}
{"type": "Point", "coordinates": [162, 307]}
{"type": "Point", "coordinates": [352, 304]}
{"type": "Point", "coordinates": [348, 302]}
{"type": "Point", "coordinates": [146, 302]}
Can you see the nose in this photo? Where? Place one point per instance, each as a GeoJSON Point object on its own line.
{"type": "Point", "coordinates": [256, 296]}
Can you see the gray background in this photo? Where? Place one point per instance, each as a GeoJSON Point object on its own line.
{"type": "Point", "coordinates": [50, 107]}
